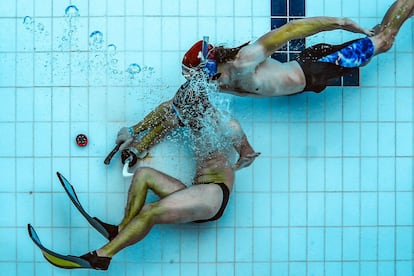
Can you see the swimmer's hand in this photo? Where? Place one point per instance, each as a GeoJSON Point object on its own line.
{"type": "Point", "coordinates": [124, 137]}
{"type": "Point", "coordinates": [246, 160]}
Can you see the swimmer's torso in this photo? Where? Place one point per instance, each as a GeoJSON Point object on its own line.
{"type": "Point", "coordinates": [214, 169]}
{"type": "Point", "coordinates": [267, 79]}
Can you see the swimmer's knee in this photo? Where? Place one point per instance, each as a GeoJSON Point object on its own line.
{"type": "Point", "coordinates": [142, 174]}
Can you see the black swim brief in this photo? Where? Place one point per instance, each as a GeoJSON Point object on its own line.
{"type": "Point", "coordinates": [318, 72]}
{"type": "Point", "coordinates": [226, 195]}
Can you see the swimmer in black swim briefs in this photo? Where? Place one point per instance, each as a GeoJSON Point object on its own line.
{"type": "Point", "coordinates": [204, 200]}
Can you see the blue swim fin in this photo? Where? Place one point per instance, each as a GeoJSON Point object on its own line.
{"type": "Point", "coordinates": [68, 261]}
{"type": "Point", "coordinates": [93, 221]}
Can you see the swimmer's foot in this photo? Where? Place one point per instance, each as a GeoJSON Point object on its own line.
{"type": "Point", "coordinates": [96, 262]}
{"type": "Point", "coordinates": [110, 228]}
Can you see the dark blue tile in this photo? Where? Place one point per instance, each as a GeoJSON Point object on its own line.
{"type": "Point", "coordinates": [279, 7]}
{"type": "Point", "coordinates": [351, 79]}
{"type": "Point", "coordinates": [282, 57]}
{"type": "Point", "coordinates": [297, 7]}
{"type": "Point", "coordinates": [277, 22]}
{"type": "Point", "coordinates": [297, 45]}
{"type": "Point", "coordinates": [335, 82]}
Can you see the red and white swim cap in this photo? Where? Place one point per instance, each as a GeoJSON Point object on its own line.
{"type": "Point", "coordinates": [192, 57]}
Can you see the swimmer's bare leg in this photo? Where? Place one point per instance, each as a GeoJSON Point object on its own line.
{"type": "Point", "coordinates": [144, 179]}
{"type": "Point", "coordinates": [393, 19]}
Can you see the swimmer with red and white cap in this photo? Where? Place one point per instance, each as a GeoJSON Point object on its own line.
{"type": "Point", "coordinates": [248, 70]}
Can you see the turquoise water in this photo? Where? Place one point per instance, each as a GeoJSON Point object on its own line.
{"type": "Point", "coordinates": [331, 194]}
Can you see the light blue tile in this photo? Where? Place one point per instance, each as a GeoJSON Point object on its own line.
{"type": "Point", "coordinates": [42, 139]}
{"type": "Point", "coordinates": [244, 207]}
{"type": "Point", "coordinates": [333, 139]}
{"type": "Point", "coordinates": [8, 70]}
{"type": "Point", "coordinates": [42, 210]}
{"type": "Point", "coordinates": [24, 208]}
{"type": "Point", "coordinates": [24, 139]}
{"type": "Point", "coordinates": [8, 31]}
{"type": "Point", "coordinates": [280, 244]}
{"type": "Point", "coordinates": [316, 139]}
{"type": "Point", "coordinates": [243, 269]}
{"type": "Point", "coordinates": [24, 181]}
{"type": "Point", "coordinates": [369, 139]}
{"type": "Point", "coordinates": [8, 248]}
{"type": "Point", "coordinates": [333, 174]}
{"type": "Point", "coordinates": [350, 268]}
{"type": "Point", "coordinates": [24, 269]}
{"type": "Point", "coordinates": [9, 268]}
{"type": "Point", "coordinates": [352, 104]}
{"type": "Point", "coordinates": [297, 175]}
{"type": "Point", "coordinates": [315, 245]}
{"type": "Point", "coordinates": [280, 109]}
{"type": "Point", "coordinates": [78, 70]}
{"type": "Point", "coordinates": [369, 174]}
{"type": "Point", "coordinates": [280, 174]}
{"type": "Point", "coordinates": [61, 69]}
{"type": "Point", "coordinates": [8, 175]}
{"type": "Point", "coordinates": [386, 61]}
{"type": "Point", "coordinates": [403, 101]}
{"type": "Point", "coordinates": [24, 67]}
{"type": "Point", "coordinates": [404, 69]}
{"type": "Point", "coordinates": [8, 147]}
{"type": "Point", "coordinates": [42, 104]}
{"type": "Point", "coordinates": [386, 139]}
{"type": "Point", "coordinates": [189, 245]}
{"type": "Point", "coordinates": [244, 246]}
{"type": "Point", "coordinates": [386, 268]}
{"type": "Point", "coordinates": [316, 107]}
{"type": "Point", "coordinates": [404, 214]}
{"type": "Point", "coordinates": [333, 244]}
{"type": "Point", "coordinates": [189, 269]}
{"type": "Point", "coordinates": [333, 268]}
{"type": "Point", "coordinates": [207, 269]}
{"type": "Point", "coordinates": [386, 104]}
{"type": "Point", "coordinates": [316, 268]}
{"type": "Point", "coordinates": [42, 69]}
{"type": "Point", "coordinates": [297, 139]}
{"type": "Point", "coordinates": [297, 238]}
{"type": "Point", "coordinates": [333, 109]}
{"type": "Point", "coordinates": [297, 209]}
{"type": "Point", "coordinates": [7, 105]}
{"type": "Point", "coordinates": [386, 208]}
{"type": "Point", "coordinates": [280, 210]}
{"type": "Point", "coordinates": [297, 108]}
{"type": "Point", "coordinates": [261, 244]}
{"type": "Point", "coordinates": [24, 101]}
{"type": "Point", "coordinates": [386, 243]}
{"type": "Point", "coordinates": [225, 245]}
{"type": "Point", "coordinates": [369, 209]}
{"type": "Point", "coordinates": [262, 175]}
{"type": "Point", "coordinates": [351, 210]}
{"type": "Point", "coordinates": [369, 104]}
{"type": "Point", "coordinates": [207, 247]}
{"type": "Point", "coordinates": [224, 269]}
{"type": "Point", "coordinates": [403, 139]}
{"type": "Point", "coordinates": [60, 139]}
{"type": "Point", "coordinates": [386, 174]}
{"type": "Point", "coordinates": [368, 268]}
{"type": "Point", "coordinates": [333, 209]}
{"type": "Point", "coordinates": [404, 177]}
{"type": "Point", "coordinates": [281, 269]}
{"type": "Point", "coordinates": [60, 104]}
{"type": "Point", "coordinates": [369, 246]}
{"type": "Point", "coordinates": [351, 240]}
{"type": "Point", "coordinates": [315, 209]}
{"type": "Point", "coordinates": [351, 139]}
{"type": "Point", "coordinates": [404, 267]}
{"type": "Point", "coordinates": [316, 174]}
{"type": "Point", "coordinates": [281, 131]}
{"type": "Point", "coordinates": [351, 171]}
{"type": "Point", "coordinates": [261, 210]}
{"type": "Point", "coordinates": [79, 104]}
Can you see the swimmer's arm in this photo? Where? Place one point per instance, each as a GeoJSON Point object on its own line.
{"type": "Point", "coordinates": [305, 27]}
{"type": "Point", "coordinates": [161, 115]}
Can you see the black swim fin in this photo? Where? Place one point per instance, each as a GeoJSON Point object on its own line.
{"type": "Point", "coordinates": [68, 261]}
{"type": "Point", "coordinates": [107, 230]}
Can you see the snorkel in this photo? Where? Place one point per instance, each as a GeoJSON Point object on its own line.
{"type": "Point", "coordinates": [210, 65]}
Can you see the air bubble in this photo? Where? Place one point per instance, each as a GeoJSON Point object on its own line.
{"type": "Point", "coordinates": [134, 69]}
{"type": "Point", "coordinates": [72, 11]}
{"type": "Point", "coordinates": [96, 39]}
